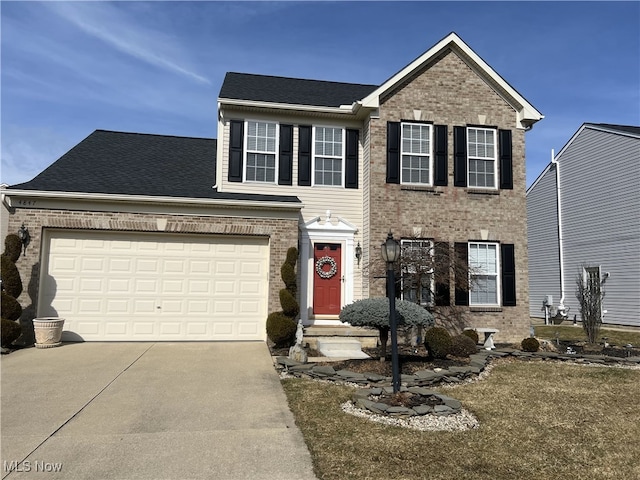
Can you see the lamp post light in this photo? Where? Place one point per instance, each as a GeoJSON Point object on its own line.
{"type": "Point", "coordinates": [391, 254]}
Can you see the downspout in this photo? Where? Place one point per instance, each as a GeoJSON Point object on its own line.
{"type": "Point", "coordinates": [561, 308]}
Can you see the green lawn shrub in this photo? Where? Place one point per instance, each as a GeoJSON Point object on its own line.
{"type": "Point", "coordinates": [530, 344]}
{"type": "Point", "coordinates": [437, 341]}
{"type": "Point", "coordinates": [462, 346]}
{"type": "Point", "coordinates": [472, 334]}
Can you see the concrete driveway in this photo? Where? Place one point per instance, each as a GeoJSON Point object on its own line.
{"type": "Point", "coordinates": [148, 411]}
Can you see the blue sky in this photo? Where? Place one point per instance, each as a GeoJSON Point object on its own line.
{"type": "Point", "coordinates": [69, 68]}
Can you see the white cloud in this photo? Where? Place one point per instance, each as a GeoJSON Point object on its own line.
{"type": "Point", "coordinates": [109, 24]}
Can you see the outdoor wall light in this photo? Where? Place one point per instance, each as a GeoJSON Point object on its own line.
{"type": "Point", "coordinates": [390, 254]}
{"type": "Point", "coordinates": [25, 238]}
{"type": "Point", "coordinates": [358, 253]}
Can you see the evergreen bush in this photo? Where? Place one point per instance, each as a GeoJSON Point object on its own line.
{"type": "Point", "coordinates": [437, 341]}
{"type": "Point", "coordinates": [462, 346]}
{"type": "Point", "coordinates": [281, 326]}
{"type": "Point", "coordinates": [472, 334]}
{"type": "Point", "coordinates": [374, 313]}
{"type": "Point", "coordinates": [530, 344]}
{"type": "Point", "coordinates": [11, 290]}
{"type": "Point", "coordinates": [281, 329]}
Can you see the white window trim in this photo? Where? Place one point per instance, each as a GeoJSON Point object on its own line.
{"type": "Point", "coordinates": [313, 156]}
{"type": "Point", "coordinates": [246, 152]}
{"type": "Point", "coordinates": [495, 159]}
{"type": "Point", "coordinates": [497, 274]}
{"type": "Point", "coordinates": [430, 154]}
{"type": "Point", "coordinates": [430, 243]}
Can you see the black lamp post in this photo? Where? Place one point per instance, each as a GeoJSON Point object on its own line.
{"type": "Point", "coordinates": [391, 254]}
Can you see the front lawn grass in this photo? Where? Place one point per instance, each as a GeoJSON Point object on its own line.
{"type": "Point", "coordinates": [538, 420]}
{"type": "Point", "coordinates": [576, 334]}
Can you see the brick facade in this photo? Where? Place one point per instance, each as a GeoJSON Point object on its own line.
{"type": "Point", "coordinates": [282, 234]}
{"type": "Point", "coordinates": [448, 92]}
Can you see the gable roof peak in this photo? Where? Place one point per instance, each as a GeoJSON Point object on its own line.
{"type": "Point", "coordinates": [527, 114]}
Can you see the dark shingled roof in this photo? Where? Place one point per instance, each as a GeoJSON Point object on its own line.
{"type": "Point", "coordinates": [294, 91]}
{"type": "Point", "coordinates": [620, 128]}
{"type": "Point", "coordinates": [139, 164]}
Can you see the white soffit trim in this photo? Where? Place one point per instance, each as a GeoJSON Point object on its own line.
{"type": "Point", "coordinates": [195, 202]}
{"type": "Point", "coordinates": [527, 113]}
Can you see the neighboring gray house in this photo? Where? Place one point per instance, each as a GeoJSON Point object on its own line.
{"type": "Point", "coordinates": [583, 215]}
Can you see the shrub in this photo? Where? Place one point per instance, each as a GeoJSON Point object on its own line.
{"type": "Point", "coordinates": [290, 306]}
{"type": "Point", "coordinates": [472, 334]}
{"type": "Point", "coordinates": [530, 344]}
{"type": "Point", "coordinates": [462, 346]}
{"type": "Point", "coordinates": [11, 290]}
{"type": "Point", "coordinates": [10, 331]}
{"type": "Point", "coordinates": [437, 342]}
{"type": "Point", "coordinates": [281, 329]}
{"type": "Point", "coordinates": [281, 326]}
{"type": "Point", "coordinates": [288, 274]}
{"type": "Point", "coordinates": [374, 313]}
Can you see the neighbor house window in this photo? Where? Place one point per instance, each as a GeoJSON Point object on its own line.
{"type": "Point", "coordinates": [328, 157]}
{"type": "Point", "coordinates": [417, 271]}
{"type": "Point", "coordinates": [416, 153]}
{"type": "Point", "coordinates": [482, 154]}
{"type": "Point", "coordinates": [483, 271]}
{"type": "Point", "coordinates": [261, 151]}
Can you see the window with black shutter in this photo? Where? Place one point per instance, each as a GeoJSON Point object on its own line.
{"type": "Point", "coordinates": [285, 158]}
{"type": "Point", "coordinates": [236, 142]}
{"type": "Point", "coordinates": [304, 155]}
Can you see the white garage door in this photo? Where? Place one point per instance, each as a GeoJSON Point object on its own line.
{"type": "Point", "coordinates": [144, 286]}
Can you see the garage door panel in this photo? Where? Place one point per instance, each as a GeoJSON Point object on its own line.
{"type": "Point", "coordinates": [138, 286]}
{"type": "Point", "coordinates": [147, 265]}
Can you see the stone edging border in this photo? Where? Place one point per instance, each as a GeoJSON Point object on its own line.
{"type": "Point", "coordinates": [424, 378]}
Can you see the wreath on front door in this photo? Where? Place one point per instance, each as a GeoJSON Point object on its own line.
{"type": "Point", "coordinates": [326, 261]}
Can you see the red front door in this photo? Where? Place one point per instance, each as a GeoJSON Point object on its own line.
{"type": "Point", "coordinates": [327, 279]}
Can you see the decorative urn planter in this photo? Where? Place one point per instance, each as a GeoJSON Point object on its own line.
{"type": "Point", "coordinates": [48, 331]}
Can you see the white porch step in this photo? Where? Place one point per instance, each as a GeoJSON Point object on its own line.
{"type": "Point", "coordinates": [340, 347]}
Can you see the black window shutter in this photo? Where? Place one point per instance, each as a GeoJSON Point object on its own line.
{"type": "Point", "coordinates": [351, 170]}
{"type": "Point", "coordinates": [506, 160]}
{"type": "Point", "coordinates": [236, 142]}
{"type": "Point", "coordinates": [441, 271]}
{"type": "Point", "coordinates": [460, 156]}
{"type": "Point", "coordinates": [441, 151]}
{"type": "Point", "coordinates": [304, 155]}
{"type": "Point", "coordinates": [285, 158]}
{"type": "Point", "coordinates": [393, 152]}
{"type": "Point", "coordinates": [507, 255]}
{"type": "Point", "coordinates": [462, 275]}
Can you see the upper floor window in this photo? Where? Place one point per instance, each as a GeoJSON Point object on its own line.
{"type": "Point", "coordinates": [482, 155]}
{"type": "Point", "coordinates": [261, 141]}
{"type": "Point", "coordinates": [484, 274]}
{"type": "Point", "coordinates": [417, 263]}
{"type": "Point", "coordinates": [416, 154]}
{"type": "Point", "coordinates": [328, 157]}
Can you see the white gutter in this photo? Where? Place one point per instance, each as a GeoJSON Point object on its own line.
{"type": "Point", "coordinates": [561, 307]}
{"type": "Point", "coordinates": [343, 109]}
{"type": "Point", "coordinates": [202, 202]}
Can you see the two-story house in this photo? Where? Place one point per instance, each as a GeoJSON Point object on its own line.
{"type": "Point", "coordinates": [584, 221]}
{"type": "Point", "coordinates": [154, 237]}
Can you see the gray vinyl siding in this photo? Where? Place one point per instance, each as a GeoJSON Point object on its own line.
{"type": "Point", "coordinates": [544, 253]}
{"type": "Point", "coordinates": [600, 197]}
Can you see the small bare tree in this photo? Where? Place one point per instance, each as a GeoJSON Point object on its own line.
{"type": "Point", "coordinates": [589, 293]}
{"type": "Point", "coordinates": [425, 274]}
